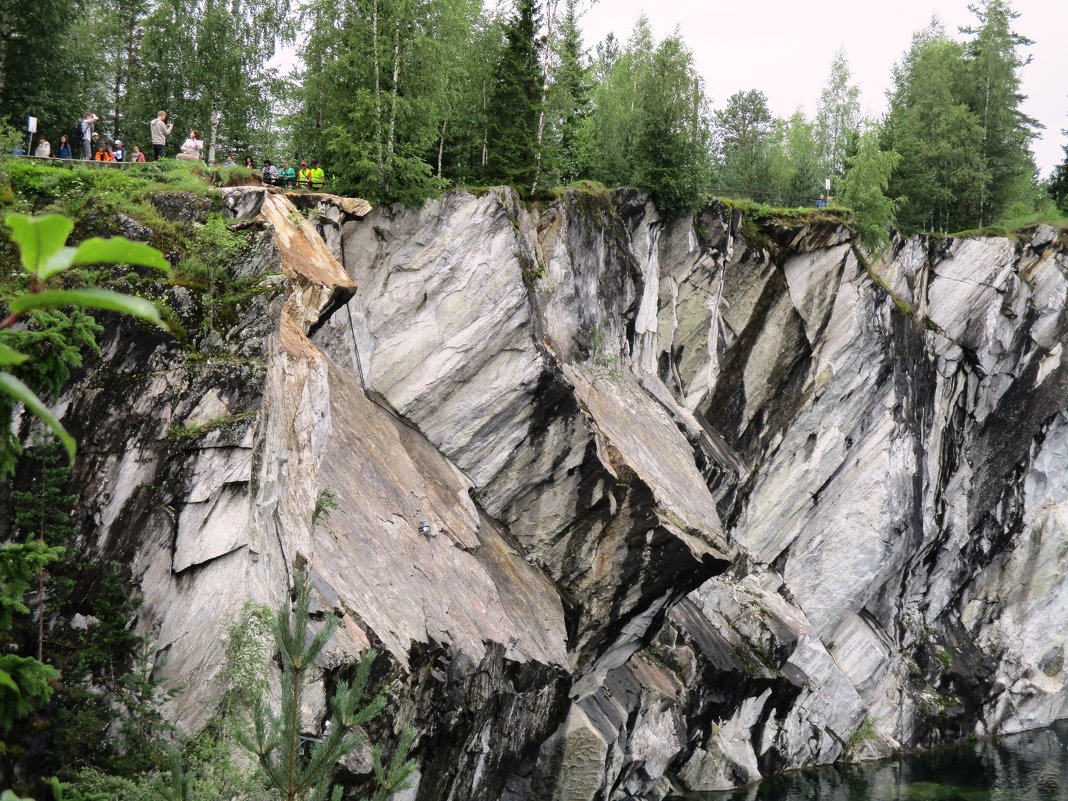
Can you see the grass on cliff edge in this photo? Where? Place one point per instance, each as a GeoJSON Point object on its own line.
{"type": "Point", "coordinates": [1014, 225]}
{"type": "Point", "coordinates": [775, 215]}
{"type": "Point", "coordinates": [98, 198]}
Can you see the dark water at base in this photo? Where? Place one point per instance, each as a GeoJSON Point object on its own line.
{"type": "Point", "coordinates": [1022, 767]}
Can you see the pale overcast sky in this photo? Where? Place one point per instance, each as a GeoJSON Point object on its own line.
{"type": "Point", "coordinates": [784, 48]}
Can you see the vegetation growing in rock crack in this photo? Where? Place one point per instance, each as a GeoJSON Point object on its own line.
{"type": "Point", "coordinates": [325, 503]}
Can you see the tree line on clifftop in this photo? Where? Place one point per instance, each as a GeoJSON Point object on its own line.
{"type": "Point", "coordinates": [402, 100]}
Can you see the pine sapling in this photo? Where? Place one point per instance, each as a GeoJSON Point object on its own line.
{"type": "Point", "coordinates": [295, 771]}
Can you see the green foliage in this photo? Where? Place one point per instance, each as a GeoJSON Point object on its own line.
{"type": "Point", "coordinates": [567, 142]}
{"type": "Point", "coordinates": [139, 700]}
{"type": "Point", "coordinates": [515, 102]}
{"type": "Point", "coordinates": [44, 255]}
{"type": "Point", "coordinates": [190, 431]}
{"type": "Point", "coordinates": [1058, 184]}
{"type": "Point", "coordinates": [939, 138]}
{"type": "Point", "coordinates": [24, 681]}
{"type": "Point", "coordinates": [837, 117]}
{"type": "Point", "coordinates": [325, 503]}
{"type": "Point", "coordinates": [864, 192]}
{"type": "Point", "coordinates": [294, 771]}
{"type": "Point", "coordinates": [649, 126]}
{"type": "Point", "coordinates": [955, 119]}
{"type": "Point", "coordinates": [994, 58]}
{"type": "Point", "coordinates": [64, 791]}
{"type": "Point", "coordinates": [741, 134]}
{"type": "Point", "coordinates": [864, 734]}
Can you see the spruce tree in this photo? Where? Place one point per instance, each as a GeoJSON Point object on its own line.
{"type": "Point", "coordinates": [994, 60]}
{"type": "Point", "coordinates": [43, 514]}
{"type": "Point", "coordinates": [572, 97]}
{"type": "Point", "coordinates": [514, 104]}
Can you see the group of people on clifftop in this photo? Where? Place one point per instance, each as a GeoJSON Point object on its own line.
{"type": "Point", "coordinates": [91, 147]}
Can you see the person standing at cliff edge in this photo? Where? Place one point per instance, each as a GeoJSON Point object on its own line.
{"type": "Point", "coordinates": [160, 131]}
{"type": "Point", "coordinates": [85, 131]}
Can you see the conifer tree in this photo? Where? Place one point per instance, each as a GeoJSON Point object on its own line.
{"type": "Point", "coordinates": [941, 173]}
{"type": "Point", "coordinates": [994, 61]}
{"type": "Point", "coordinates": [864, 191]}
{"type": "Point", "coordinates": [741, 132]}
{"type": "Point", "coordinates": [571, 97]}
{"type": "Point", "coordinates": [1058, 183]}
{"type": "Point", "coordinates": [514, 104]}
{"type": "Point", "coordinates": [295, 771]}
{"type": "Point", "coordinates": [42, 514]}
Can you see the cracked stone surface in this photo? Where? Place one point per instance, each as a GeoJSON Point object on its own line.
{"type": "Point", "coordinates": [698, 509]}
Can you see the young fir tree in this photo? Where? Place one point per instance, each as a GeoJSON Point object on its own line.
{"type": "Point", "coordinates": [1058, 183]}
{"type": "Point", "coordinates": [514, 105]}
{"type": "Point", "coordinates": [295, 771]}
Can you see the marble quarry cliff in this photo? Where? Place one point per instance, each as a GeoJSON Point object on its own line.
{"type": "Point", "coordinates": [630, 506]}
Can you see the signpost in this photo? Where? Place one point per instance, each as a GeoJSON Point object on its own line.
{"type": "Point", "coordinates": [31, 127]}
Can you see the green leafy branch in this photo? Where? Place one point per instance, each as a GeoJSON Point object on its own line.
{"type": "Point", "coordinates": [43, 250]}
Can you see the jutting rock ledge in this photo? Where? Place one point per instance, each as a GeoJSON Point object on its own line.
{"type": "Point", "coordinates": [698, 507]}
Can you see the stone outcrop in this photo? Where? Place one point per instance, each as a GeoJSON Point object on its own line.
{"type": "Point", "coordinates": [630, 505]}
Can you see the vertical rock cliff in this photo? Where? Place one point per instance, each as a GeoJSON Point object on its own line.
{"type": "Point", "coordinates": [633, 505]}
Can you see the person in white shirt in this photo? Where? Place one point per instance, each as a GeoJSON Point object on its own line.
{"type": "Point", "coordinates": [44, 149]}
{"type": "Point", "coordinates": [192, 148]}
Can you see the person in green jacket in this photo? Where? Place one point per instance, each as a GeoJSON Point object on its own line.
{"type": "Point", "coordinates": [287, 176]}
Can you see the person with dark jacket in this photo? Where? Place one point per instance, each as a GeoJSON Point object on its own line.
{"type": "Point", "coordinates": [64, 148]}
{"type": "Point", "coordinates": [119, 152]}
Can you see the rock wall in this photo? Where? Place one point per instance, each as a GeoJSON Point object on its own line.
{"type": "Point", "coordinates": [633, 505]}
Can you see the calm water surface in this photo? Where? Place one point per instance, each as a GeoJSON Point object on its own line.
{"type": "Point", "coordinates": [1022, 767]}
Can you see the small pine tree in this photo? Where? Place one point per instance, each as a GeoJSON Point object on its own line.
{"type": "Point", "coordinates": [294, 771]}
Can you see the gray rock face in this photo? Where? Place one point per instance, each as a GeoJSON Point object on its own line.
{"type": "Point", "coordinates": [632, 505]}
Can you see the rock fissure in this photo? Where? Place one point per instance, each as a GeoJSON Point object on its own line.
{"type": "Point", "coordinates": [700, 508]}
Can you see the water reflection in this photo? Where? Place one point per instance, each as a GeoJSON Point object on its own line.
{"type": "Point", "coordinates": [1023, 767]}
